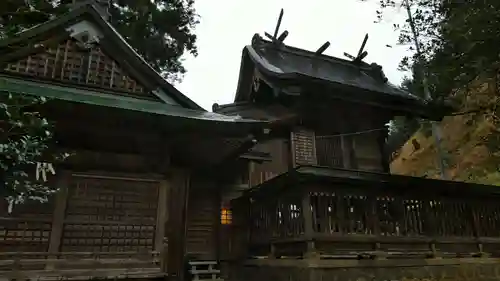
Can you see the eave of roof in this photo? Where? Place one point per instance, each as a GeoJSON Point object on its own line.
{"type": "Point", "coordinates": [396, 184]}
{"type": "Point", "coordinates": [22, 86]}
{"type": "Point", "coordinates": [257, 156]}
{"type": "Point", "coordinates": [110, 32]}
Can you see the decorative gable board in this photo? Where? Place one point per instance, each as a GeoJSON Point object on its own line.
{"type": "Point", "coordinates": [69, 62]}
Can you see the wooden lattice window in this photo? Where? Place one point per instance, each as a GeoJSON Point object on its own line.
{"type": "Point", "coordinates": [329, 151]}
{"type": "Point", "coordinates": [68, 62]}
{"type": "Point", "coordinates": [226, 216]}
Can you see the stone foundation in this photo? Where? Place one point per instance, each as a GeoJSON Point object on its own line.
{"type": "Point", "coordinates": [471, 269]}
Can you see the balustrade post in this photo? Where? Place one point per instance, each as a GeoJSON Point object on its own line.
{"type": "Point", "coordinates": [307, 215]}
{"type": "Point", "coordinates": [476, 228]}
{"type": "Point", "coordinates": [430, 227]}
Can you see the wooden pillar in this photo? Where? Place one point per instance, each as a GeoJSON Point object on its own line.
{"type": "Point", "coordinates": [347, 149]}
{"type": "Point", "coordinates": [161, 220]}
{"type": "Point", "coordinates": [178, 203]}
{"type": "Point", "coordinates": [385, 156]}
{"type": "Point", "coordinates": [308, 225]}
{"type": "Point", "coordinates": [61, 199]}
{"type": "Point", "coordinates": [217, 225]}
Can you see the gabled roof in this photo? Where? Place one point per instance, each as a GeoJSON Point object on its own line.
{"type": "Point", "coordinates": [117, 47]}
{"type": "Point", "coordinates": [289, 66]}
{"type": "Point", "coordinates": [288, 62]}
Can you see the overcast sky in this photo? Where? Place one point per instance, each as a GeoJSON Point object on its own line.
{"type": "Point", "coordinates": [226, 26]}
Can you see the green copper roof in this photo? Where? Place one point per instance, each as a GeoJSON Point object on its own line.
{"type": "Point", "coordinates": [15, 85]}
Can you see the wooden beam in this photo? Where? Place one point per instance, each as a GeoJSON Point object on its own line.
{"type": "Point", "coordinates": [59, 214]}
{"type": "Point", "coordinates": [178, 204]}
{"type": "Point", "coordinates": [217, 222]}
{"type": "Point", "coordinates": [346, 144]}
{"type": "Point", "coordinates": [87, 160]}
{"type": "Point", "coordinates": [161, 214]}
{"type": "Point", "coordinates": [97, 128]}
{"type": "Point", "coordinates": [32, 48]}
{"type": "Point", "coordinates": [161, 222]}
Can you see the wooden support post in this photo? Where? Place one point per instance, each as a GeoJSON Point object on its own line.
{"type": "Point", "coordinates": [476, 227]}
{"type": "Point", "coordinates": [272, 251]}
{"type": "Point", "coordinates": [346, 144]}
{"type": "Point", "coordinates": [431, 225]}
{"type": "Point", "coordinates": [178, 203]}
{"type": "Point", "coordinates": [161, 220]}
{"type": "Point", "coordinates": [308, 226]}
{"type": "Point", "coordinates": [217, 225]}
{"type": "Point", "coordinates": [56, 232]}
{"type": "Point", "coordinates": [385, 161]}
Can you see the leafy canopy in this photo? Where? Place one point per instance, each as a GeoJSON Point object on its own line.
{"type": "Point", "coordinates": [25, 140]}
{"type": "Point", "coordinates": [160, 30]}
{"type": "Point", "coordinates": [458, 40]}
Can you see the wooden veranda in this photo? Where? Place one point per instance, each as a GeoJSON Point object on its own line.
{"type": "Point", "coordinates": [324, 213]}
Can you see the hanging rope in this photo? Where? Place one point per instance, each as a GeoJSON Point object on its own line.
{"type": "Point", "coordinates": [354, 133]}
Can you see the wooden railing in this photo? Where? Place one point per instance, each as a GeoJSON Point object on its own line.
{"type": "Point", "coordinates": [329, 151]}
{"type": "Point", "coordinates": [78, 265]}
{"type": "Point", "coordinates": [361, 220]}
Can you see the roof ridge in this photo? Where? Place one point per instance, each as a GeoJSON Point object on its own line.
{"type": "Point", "coordinates": [374, 70]}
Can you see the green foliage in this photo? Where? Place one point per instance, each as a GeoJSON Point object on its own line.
{"type": "Point", "coordinates": [160, 30]}
{"type": "Point", "coordinates": [25, 140]}
{"type": "Point", "coordinates": [458, 40]}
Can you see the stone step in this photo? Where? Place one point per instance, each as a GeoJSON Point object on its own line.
{"type": "Point", "coordinates": [205, 271]}
{"type": "Point", "coordinates": [202, 263]}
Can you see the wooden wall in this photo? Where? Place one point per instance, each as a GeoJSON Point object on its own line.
{"type": "Point", "coordinates": [358, 152]}
{"type": "Point", "coordinates": [27, 228]}
{"type": "Point", "coordinates": [203, 219]}
{"type": "Point", "coordinates": [91, 213]}
{"type": "Point", "coordinates": [280, 154]}
{"type": "Point", "coordinates": [368, 152]}
{"type": "Point", "coordinates": [226, 231]}
{"type": "Point", "coordinates": [307, 147]}
{"type": "Point", "coordinates": [342, 135]}
{"type": "Point", "coordinates": [110, 214]}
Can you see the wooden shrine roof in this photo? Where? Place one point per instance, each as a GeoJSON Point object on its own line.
{"type": "Point", "coordinates": [80, 58]}
{"type": "Point", "coordinates": [289, 67]}
{"type": "Point", "coordinates": [31, 52]}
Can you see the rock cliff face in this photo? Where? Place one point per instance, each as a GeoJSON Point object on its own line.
{"type": "Point", "coordinates": [470, 142]}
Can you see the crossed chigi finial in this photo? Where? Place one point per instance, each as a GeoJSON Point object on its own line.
{"type": "Point", "coordinates": [274, 38]}
{"type": "Point", "coordinates": [278, 40]}
{"type": "Point", "coordinates": [361, 53]}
